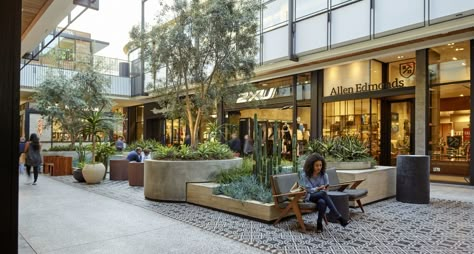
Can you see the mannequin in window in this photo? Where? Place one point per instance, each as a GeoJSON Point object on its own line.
{"type": "Point", "coordinates": [286, 131]}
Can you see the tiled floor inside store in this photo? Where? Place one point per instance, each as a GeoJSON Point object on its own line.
{"type": "Point", "coordinates": [446, 225]}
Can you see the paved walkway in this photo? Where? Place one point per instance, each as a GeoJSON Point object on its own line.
{"type": "Point", "coordinates": [61, 216]}
{"type": "Point", "coordinates": [57, 218]}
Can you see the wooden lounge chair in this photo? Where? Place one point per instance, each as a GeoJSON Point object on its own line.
{"type": "Point", "coordinates": [354, 193]}
{"type": "Point", "coordinates": [287, 201]}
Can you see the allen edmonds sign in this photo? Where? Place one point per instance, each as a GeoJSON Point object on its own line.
{"type": "Point", "coordinates": [366, 87]}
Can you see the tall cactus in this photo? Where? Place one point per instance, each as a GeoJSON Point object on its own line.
{"type": "Point", "coordinates": [265, 165]}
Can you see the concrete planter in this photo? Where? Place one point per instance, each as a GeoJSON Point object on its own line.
{"type": "Point", "coordinates": [166, 180]}
{"type": "Point", "coordinates": [348, 165]}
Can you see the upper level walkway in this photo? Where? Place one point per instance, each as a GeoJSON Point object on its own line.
{"type": "Point", "coordinates": [60, 215]}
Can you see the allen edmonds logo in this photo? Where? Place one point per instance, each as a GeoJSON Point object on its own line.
{"type": "Point", "coordinates": [366, 87]}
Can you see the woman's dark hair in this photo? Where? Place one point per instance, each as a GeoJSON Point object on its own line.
{"type": "Point", "coordinates": [34, 141]}
{"type": "Point", "coordinates": [309, 164]}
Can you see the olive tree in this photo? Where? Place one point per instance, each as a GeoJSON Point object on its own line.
{"type": "Point", "coordinates": [77, 102]}
{"type": "Point", "coordinates": [207, 51]}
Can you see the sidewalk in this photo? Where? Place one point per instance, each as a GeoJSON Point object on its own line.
{"type": "Point", "coordinates": [57, 218]}
{"type": "Point", "coordinates": [60, 215]}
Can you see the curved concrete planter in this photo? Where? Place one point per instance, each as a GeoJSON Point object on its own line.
{"type": "Point", "coordinates": [347, 165]}
{"type": "Point", "coordinates": [166, 180]}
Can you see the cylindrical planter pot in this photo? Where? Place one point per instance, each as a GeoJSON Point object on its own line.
{"type": "Point", "coordinates": [413, 179]}
{"type": "Point", "coordinates": [77, 174]}
{"type": "Point", "coordinates": [166, 180]}
{"type": "Point", "coordinates": [93, 173]}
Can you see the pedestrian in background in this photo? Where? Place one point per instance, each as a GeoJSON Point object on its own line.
{"type": "Point", "coordinates": [33, 156]}
{"type": "Point", "coordinates": [248, 145]}
{"type": "Point", "coordinates": [235, 145]}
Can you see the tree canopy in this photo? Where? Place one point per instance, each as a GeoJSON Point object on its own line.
{"type": "Point", "coordinates": [76, 100]}
{"type": "Point", "coordinates": [206, 52]}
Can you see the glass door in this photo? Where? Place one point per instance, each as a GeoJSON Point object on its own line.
{"type": "Point", "coordinates": [400, 129]}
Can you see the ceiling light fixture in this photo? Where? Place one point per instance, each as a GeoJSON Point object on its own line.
{"type": "Point", "coordinates": [455, 59]}
{"type": "Point", "coordinates": [462, 95]}
{"type": "Point", "coordinates": [400, 57]}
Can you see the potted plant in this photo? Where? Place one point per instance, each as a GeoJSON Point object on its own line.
{"type": "Point", "coordinates": [103, 151]}
{"type": "Point", "coordinates": [96, 118]}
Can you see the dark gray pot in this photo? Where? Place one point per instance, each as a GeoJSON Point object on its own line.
{"type": "Point", "coordinates": [77, 174]}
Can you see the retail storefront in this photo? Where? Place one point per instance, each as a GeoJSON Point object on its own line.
{"type": "Point", "coordinates": [415, 102]}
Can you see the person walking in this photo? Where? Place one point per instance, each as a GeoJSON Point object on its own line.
{"type": "Point", "coordinates": [33, 156]}
{"type": "Point", "coordinates": [119, 144]}
{"type": "Point", "coordinates": [248, 145]}
{"type": "Point", "coordinates": [234, 144]}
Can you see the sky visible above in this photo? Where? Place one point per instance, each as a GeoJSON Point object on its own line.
{"type": "Point", "coordinates": [113, 22]}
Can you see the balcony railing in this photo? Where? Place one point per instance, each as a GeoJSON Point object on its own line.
{"type": "Point", "coordinates": [33, 75]}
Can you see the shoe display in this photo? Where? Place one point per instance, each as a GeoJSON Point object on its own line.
{"type": "Point", "coordinates": [343, 221]}
{"type": "Point", "coordinates": [319, 228]}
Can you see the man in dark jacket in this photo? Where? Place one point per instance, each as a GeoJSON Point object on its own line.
{"type": "Point", "coordinates": [135, 155]}
{"type": "Point", "coordinates": [234, 143]}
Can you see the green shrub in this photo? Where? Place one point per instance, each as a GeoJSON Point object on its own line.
{"type": "Point", "coordinates": [161, 152]}
{"type": "Point", "coordinates": [234, 174]}
{"type": "Point", "coordinates": [147, 143]}
{"type": "Point", "coordinates": [205, 151]}
{"type": "Point", "coordinates": [62, 148]}
{"type": "Point", "coordinates": [344, 148]}
{"type": "Point", "coordinates": [245, 188]}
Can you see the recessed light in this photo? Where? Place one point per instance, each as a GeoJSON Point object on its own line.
{"type": "Point", "coordinates": [400, 57]}
{"type": "Point", "coordinates": [459, 49]}
{"type": "Point", "coordinates": [462, 95]}
{"type": "Point", "coordinates": [455, 59]}
{"type": "Point", "coordinates": [451, 44]}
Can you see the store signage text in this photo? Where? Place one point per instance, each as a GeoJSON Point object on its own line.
{"type": "Point", "coordinates": [262, 94]}
{"type": "Point", "coordinates": [365, 87]}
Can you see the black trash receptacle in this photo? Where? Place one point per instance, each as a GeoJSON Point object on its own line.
{"type": "Point", "coordinates": [413, 179]}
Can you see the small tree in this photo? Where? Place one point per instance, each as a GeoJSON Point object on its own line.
{"type": "Point", "coordinates": [79, 103]}
{"type": "Point", "coordinates": [58, 101]}
{"type": "Point", "coordinates": [207, 51]}
{"type": "Point", "coordinates": [95, 114]}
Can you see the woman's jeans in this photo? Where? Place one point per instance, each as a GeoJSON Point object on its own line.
{"type": "Point", "coordinates": [322, 200]}
{"type": "Point", "coordinates": [35, 172]}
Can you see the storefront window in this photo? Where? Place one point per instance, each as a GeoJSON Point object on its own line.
{"type": "Point", "coordinates": [303, 87]}
{"type": "Point", "coordinates": [450, 130]}
{"type": "Point", "coordinates": [449, 63]}
{"type": "Point", "coordinates": [303, 130]}
{"type": "Point", "coordinates": [354, 117]}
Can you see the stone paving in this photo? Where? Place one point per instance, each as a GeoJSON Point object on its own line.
{"type": "Point", "coordinates": [443, 226]}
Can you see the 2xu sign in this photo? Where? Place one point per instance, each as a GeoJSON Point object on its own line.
{"type": "Point", "coordinates": [93, 4]}
{"type": "Point", "coordinates": [262, 94]}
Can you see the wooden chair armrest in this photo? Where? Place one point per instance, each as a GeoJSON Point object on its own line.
{"type": "Point", "coordinates": [353, 184]}
{"type": "Point", "coordinates": [338, 187]}
{"type": "Point", "coordinates": [290, 194]}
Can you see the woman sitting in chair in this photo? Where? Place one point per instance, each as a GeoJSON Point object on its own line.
{"type": "Point", "coordinates": [316, 182]}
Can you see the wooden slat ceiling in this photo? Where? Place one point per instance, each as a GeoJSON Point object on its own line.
{"type": "Point", "coordinates": [31, 12]}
